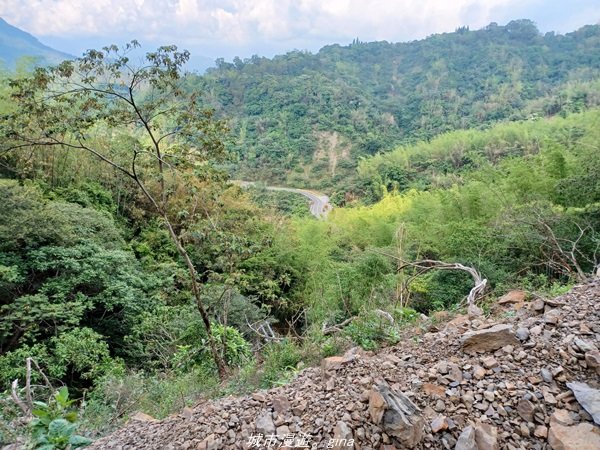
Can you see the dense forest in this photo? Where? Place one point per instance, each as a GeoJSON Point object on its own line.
{"type": "Point", "coordinates": [305, 119]}
{"type": "Point", "coordinates": [134, 273]}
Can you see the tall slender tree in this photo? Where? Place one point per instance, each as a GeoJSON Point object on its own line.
{"type": "Point", "coordinates": [137, 119]}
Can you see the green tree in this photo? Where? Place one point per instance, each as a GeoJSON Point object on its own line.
{"type": "Point", "coordinates": [69, 287]}
{"type": "Point", "coordinates": [139, 121]}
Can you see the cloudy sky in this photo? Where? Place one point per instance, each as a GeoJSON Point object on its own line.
{"type": "Point", "coordinates": [228, 28]}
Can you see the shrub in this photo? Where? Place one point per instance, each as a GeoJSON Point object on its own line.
{"type": "Point", "coordinates": [117, 397]}
{"type": "Point", "coordinates": [235, 349]}
{"type": "Point", "coordinates": [280, 361]}
{"type": "Point", "coordinates": [55, 423]}
{"type": "Point", "coordinates": [370, 331]}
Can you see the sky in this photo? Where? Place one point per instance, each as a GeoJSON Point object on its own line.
{"type": "Point", "coordinates": [211, 29]}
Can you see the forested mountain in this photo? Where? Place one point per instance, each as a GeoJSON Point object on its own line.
{"type": "Point", "coordinates": [16, 44]}
{"type": "Point", "coordinates": [135, 276]}
{"type": "Point", "coordinates": [306, 119]}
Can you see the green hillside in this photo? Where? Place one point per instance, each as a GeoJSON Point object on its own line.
{"type": "Point", "coordinates": [135, 276]}
{"type": "Point", "coordinates": [16, 44]}
{"type": "Point", "coordinates": [306, 119]}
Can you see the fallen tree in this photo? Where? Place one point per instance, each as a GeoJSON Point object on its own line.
{"type": "Point", "coordinates": [425, 265]}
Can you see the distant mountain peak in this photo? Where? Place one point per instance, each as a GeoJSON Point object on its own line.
{"type": "Point", "coordinates": [16, 44]}
{"type": "Point", "coordinates": [7, 28]}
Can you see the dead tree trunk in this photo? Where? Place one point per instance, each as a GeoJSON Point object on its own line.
{"type": "Point", "coordinates": [480, 283]}
{"type": "Point", "coordinates": [425, 265]}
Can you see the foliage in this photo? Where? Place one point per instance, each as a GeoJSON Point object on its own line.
{"type": "Point", "coordinates": [120, 395]}
{"type": "Point", "coordinates": [439, 290]}
{"type": "Point", "coordinates": [55, 423]}
{"type": "Point", "coordinates": [305, 119]}
{"type": "Point", "coordinates": [286, 203]}
{"type": "Point", "coordinates": [506, 218]}
{"type": "Point", "coordinates": [279, 362]}
{"type": "Point", "coordinates": [370, 331]}
{"type": "Point", "coordinates": [69, 287]}
{"type": "Point", "coordinates": [82, 351]}
{"type": "Point", "coordinates": [116, 278]}
{"type": "Point", "coordinates": [235, 349]}
{"type": "Point", "coordinates": [92, 102]}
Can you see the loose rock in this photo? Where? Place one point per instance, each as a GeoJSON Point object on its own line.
{"type": "Point", "coordinates": [578, 437]}
{"type": "Point", "coordinates": [515, 398]}
{"type": "Point", "coordinates": [466, 440]}
{"type": "Point", "coordinates": [486, 437]}
{"type": "Point", "coordinates": [588, 398]}
{"type": "Point", "coordinates": [515, 296]}
{"type": "Point", "coordinates": [489, 339]}
{"type": "Point", "coordinates": [264, 424]}
{"type": "Point", "coordinates": [402, 418]}
{"type": "Point", "coordinates": [440, 423]}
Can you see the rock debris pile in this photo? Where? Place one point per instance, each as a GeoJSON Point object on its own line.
{"type": "Point", "coordinates": [527, 379]}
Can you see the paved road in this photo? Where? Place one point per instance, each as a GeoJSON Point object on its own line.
{"type": "Point", "coordinates": [319, 203]}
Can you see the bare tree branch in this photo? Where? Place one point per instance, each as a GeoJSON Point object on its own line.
{"type": "Point", "coordinates": [39, 369]}
{"type": "Point", "coordinates": [15, 396]}
{"type": "Point", "coordinates": [327, 330]}
{"type": "Point", "coordinates": [426, 265]}
{"type": "Point", "coordinates": [28, 395]}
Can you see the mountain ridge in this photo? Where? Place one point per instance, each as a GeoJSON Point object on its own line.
{"type": "Point", "coordinates": [16, 44]}
{"type": "Point", "coordinates": [304, 119]}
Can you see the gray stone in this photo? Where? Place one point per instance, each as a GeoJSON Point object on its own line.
{"type": "Point", "coordinates": [522, 333]}
{"type": "Point", "coordinates": [588, 398]}
{"type": "Point", "coordinates": [466, 440]}
{"type": "Point", "coordinates": [546, 375]}
{"type": "Point", "coordinates": [486, 437]}
{"type": "Point", "coordinates": [538, 304]}
{"type": "Point", "coordinates": [585, 346]}
{"type": "Point", "coordinates": [440, 423]}
{"type": "Point", "coordinates": [264, 424]}
{"type": "Point", "coordinates": [401, 418]}
{"type": "Point", "coordinates": [474, 311]}
{"type": "Point", "coordinates": [489, 339]}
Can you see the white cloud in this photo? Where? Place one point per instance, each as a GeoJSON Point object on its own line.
{"type": "Point", "coordinates": [254, 25]}
{"type": "Point", "coordinates": [235, 20]}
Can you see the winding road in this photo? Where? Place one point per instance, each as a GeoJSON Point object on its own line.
{"type": "Point", "coordinates": [319, 202]}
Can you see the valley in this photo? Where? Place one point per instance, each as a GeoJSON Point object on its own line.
{"type": "Point", "coordinates": [319, 204]}
{"type": "Point", "coordinates": [151, 299]}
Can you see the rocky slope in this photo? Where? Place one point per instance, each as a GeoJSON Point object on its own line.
{"type": "Point", "coordinates": [527, 379]}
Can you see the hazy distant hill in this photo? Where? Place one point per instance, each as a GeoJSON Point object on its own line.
{"type": "Point", "coordinates": [16, 43]}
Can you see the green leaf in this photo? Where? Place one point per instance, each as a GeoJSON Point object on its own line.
{"type": "Point", "coordinates": [71, 416]}
{"type": "Point", "coordinates": [77, 441]}
{"type": "Point", "coordinates": [40, 413]}
{"type": "Point", "coordinates": [46, 447]}
{"type": "Point", "coordinates": [62, 396]}
{"type": "Point", "coordinates": [46, 420]}
{"type": "Point", "coordinates": [41, 440]}
{"type": "Point", "coordinates": [61, 427]}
